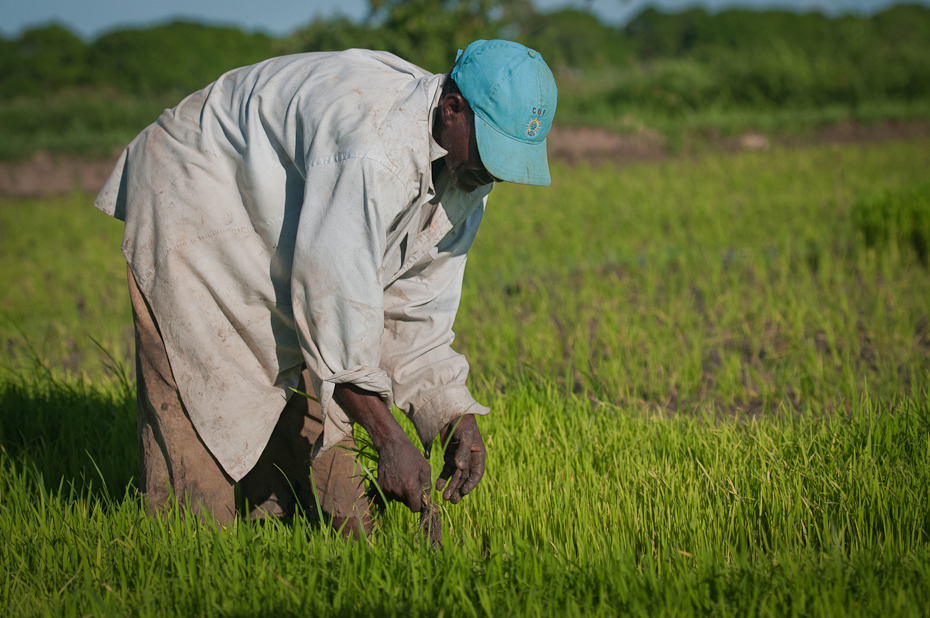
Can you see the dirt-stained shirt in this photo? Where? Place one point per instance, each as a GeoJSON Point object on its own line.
{"type": "Point", "coordinates": [287, 215]}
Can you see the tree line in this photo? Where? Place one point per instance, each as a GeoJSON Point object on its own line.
{"type": "Point", "coordinates": [664, 62]}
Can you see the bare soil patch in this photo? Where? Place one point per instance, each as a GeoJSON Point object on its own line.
{"type": "Point", "coordinates": [593, 145]}
{"type": "Point", "coordinates": [44, 174]}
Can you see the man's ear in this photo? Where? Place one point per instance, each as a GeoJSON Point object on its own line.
{"type": "Point", "coordinates": [452, 105]}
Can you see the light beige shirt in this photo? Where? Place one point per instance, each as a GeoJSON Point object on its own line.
{"type": "Point", "coordinates": [287, 215]}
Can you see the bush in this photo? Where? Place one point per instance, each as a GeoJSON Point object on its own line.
{"type": "Point", "coordinates": [177, 56]}
{"type": "Point", "coordinates": [899, 219]}
{"type": "Point", "coordinates": [41, 59]}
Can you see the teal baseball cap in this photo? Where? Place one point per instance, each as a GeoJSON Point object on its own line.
{"type": "Point", "coordinates": [513, 94]}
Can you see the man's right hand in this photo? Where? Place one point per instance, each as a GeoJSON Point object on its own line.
{"type": "Point", "coordinates": [403, 472]}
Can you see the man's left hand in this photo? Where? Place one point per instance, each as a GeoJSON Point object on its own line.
{"type": "Point", "coordinates": [464, 456]}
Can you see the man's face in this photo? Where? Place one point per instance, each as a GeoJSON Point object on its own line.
{"type": "Point", "coordinates": [455, 132]}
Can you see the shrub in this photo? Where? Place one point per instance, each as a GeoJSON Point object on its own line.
{"type": "Point", "coordinates": [896, 218]}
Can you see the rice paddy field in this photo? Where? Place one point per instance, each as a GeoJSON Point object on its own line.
{"type": "Point", "coordinates": [710, 384]}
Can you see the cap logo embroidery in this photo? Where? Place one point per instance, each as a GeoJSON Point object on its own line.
{"type": "Point", "coordinates": [532, 127]}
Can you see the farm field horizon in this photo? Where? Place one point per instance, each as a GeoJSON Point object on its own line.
{"type": "Point", "coordinates": [710, 388]}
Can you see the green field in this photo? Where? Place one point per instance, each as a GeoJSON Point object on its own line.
{"type": "Point", "coordinates": [710, 384]}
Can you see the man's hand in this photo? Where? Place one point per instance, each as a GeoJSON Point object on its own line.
{"type": "Point", "coordinates": [464, 456]}
{"type": "Point", "coordinates": [403, 472]}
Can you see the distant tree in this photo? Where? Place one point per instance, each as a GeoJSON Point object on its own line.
{"type": "Point", "coordinates": [12, 81]}
{"type": "Point", "coordinates": [658, 34]}
{"type": "Point", "coordinates": [571, 39]}
{"type": "Point", "coordinates": [177, 56]}
{"type": "Point", "coordinates": [425, 32]}
{"type": "Point", "coordinates": [43, 59]}
{"type": "Point", "coordinates": [902, 61]}
{"type": "Point", "coordinates": [329, 34]}
{"type": "Point", "coordinates": [429, 32]}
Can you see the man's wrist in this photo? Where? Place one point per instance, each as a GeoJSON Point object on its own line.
{"type": "Point", "coordinates": [369, 410]}
{"type": "Point", "coordinates": [387, 435]}
{"type": "Point", "coordinates": [443, 407]}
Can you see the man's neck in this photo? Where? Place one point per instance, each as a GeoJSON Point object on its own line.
{"type": "Point", "coordinates": [437, 168]}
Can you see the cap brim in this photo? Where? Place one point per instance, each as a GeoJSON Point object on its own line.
{"type": "Point", "coordinates": [512, 160]}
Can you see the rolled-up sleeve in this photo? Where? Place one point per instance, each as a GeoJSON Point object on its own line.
{"type": "Point", "coordinates": [337, 297]}
{"type": "Point", "coordinates": [428, 376]}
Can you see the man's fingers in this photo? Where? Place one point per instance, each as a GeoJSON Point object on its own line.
{"type": "Point", "coordinates": [466, 482]}
{"type": "Point", "coordinates": [403, 475]}
{"type": "Point", "coordinates": [453, 472]}
{"type": "Point", "coordinates": [453, 483]}
{"type": "Point", "coordinates": [464, 461]}
{"type": "Point", "coordinates": [422, 492]}
{"type": "Point", "coordinates": [416, 502]}
{"type": "Point", "coordinates": [409, 497]}
{"type": "Point", "coordinates": [416, 494]}
{"type": "Point", "coordinates": [474, 477]}
{"type": "Point", "coordinates": [448, 471]}
{"type": "Point", "coordinates": [412, 497]}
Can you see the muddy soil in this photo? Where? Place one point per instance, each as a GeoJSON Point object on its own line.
{"type": "Point", "coordinates": [44, 174]}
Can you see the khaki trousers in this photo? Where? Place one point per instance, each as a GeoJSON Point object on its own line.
{"type": "Point", "coordinates": [174, 462]}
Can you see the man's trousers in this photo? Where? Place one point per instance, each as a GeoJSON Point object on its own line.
{"type": "Point", "coordinates": [174, 461]}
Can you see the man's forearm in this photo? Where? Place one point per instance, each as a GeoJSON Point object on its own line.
{"type": "Point", "coordinates": [403, 472]}
{"type": "Point", "coordinates": [369, 410]}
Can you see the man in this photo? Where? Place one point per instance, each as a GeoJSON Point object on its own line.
{"type": "Point", "coordinates": [303, 223]}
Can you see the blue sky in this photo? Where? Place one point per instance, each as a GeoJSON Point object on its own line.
{"type": "Point", "coordinates": [90, 18]}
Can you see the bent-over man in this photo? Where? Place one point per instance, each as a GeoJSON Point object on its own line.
{"type": "Point", "coordinates": [303, 223]}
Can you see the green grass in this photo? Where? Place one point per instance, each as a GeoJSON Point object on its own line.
{"type": "Point", "coordinates": [580, 514]}
{"type": "Point", "coordinates": [738, 284]}
{"type": "Point", "coordinates": [686, 131]}
{"type": "Point", "coordinates": [64, 285]}
{"type": "Point", "coordinates": [710, 394]}
{"type": "Point", "coordinates": [95, 123]}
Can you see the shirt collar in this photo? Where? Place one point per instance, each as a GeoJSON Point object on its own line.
{"type": "Point", "coordinates": [435, 150]}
